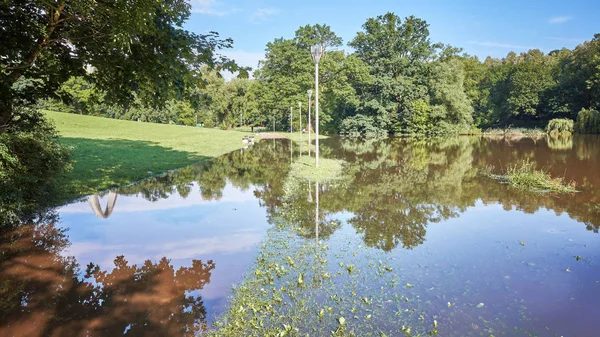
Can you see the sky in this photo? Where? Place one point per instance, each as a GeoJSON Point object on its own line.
{"type": "Point", "coordinates": [481, 28]}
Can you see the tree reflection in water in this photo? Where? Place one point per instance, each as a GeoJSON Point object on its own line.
{"type": "Point", "coordinates": [393, 188]}
{"type": "Point", "coordinates": [42, 294]}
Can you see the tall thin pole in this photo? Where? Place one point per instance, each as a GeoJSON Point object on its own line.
{"type": "Point", "coordinates": [317, 109]}
{"type": "Point", "coordinates": [309, 125]}
{"type": "Point", "coordinates": [300, 116]}
{"type": "Point", "coordinates": [300, 128]}
{"type": "Point", "coordinates": [291, 128]}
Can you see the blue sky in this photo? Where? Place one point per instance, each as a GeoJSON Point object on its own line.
{"type": "Point", "coordinates": [481, 28]}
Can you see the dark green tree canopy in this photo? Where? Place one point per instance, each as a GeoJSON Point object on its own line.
{"type": "Point", "coordinates": [124, 46]}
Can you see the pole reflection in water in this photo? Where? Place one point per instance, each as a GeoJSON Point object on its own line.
{"type": "Point", "coordinates": [94, 201]}
{"type": "Point", "coordinates": [317, 213]}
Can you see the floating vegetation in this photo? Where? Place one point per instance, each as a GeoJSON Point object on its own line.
{"type": "Point", "coordinates": [328, 170]}
{"type": "Point", "coordinates": [524, 175]}
{"type": "Point", "coordinates": [360, 297]}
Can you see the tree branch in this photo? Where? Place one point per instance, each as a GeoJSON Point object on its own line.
{"type": "Point", "coordinates": [54, 19]}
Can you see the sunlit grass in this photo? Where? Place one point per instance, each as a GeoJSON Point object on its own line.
{"type": "Point", "coordinates": [109, 153]}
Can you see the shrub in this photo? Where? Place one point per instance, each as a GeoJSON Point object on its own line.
{"type": "Point", "coordinates": [560, 127]}
{"type": "Point", "coordinates": [30, 162]}
{"type": "Point", "coordinates": [361, 125]}
{"type": "Point", "coordinates": [588, 121]}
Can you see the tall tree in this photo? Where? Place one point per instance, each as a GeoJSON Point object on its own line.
{"type": "Point", "coordinates": [124, 46]}
{"type": "Point", "coordinates": [397, 52]}
{"type": "Point", "coordinates": [288, 72]}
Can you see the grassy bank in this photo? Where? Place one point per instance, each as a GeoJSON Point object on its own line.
{"type": "Point", "coordinates": [109, 153]}
{"type": "Point", "coordinates": [514, 133]}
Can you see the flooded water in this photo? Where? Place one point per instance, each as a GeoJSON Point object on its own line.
{"type": "Point", "coordinates": [410, 239]}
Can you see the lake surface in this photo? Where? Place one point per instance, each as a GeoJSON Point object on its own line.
{"type": "Point", "coordinates": [410, 239]}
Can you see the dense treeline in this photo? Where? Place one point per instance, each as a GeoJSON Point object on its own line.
{"type": "Point", "coordinates": [396, 81]}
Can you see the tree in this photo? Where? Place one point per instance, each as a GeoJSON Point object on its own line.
{"type": "Point", "coordinates": [448, 95]}
{"type": "Point", "coordinates": [527, 82]}
{"type": "Point", "coordinates": [81, 95]}
{"type": "Point", "coordinates": [143, 50]}
{"type": "Point", "coordinates": [288, 72]}
{"type": "Point", "coordinates": [397, 53]}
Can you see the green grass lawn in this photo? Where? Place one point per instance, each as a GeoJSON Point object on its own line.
{"type": "Point", "coordinates": [110, 153]}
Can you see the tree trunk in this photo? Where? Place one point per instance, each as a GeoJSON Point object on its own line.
{"type": "Point", "coordinates": [5, 115]}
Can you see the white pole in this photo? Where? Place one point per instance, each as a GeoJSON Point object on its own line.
{"type": "Point", "coordinates": [291, 128]}
{"type": "Point", "coordinates": [309, 126]}
{"type": "Point", "coordinates": [300, 116]}
{"type": "Point", "coordinates": [317, 110]}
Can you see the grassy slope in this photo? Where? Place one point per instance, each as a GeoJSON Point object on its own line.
{"type": "Point", "coordinates": [109, 153]}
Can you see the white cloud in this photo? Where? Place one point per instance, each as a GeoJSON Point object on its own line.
{"type": "Point", "coordinates": [263, 14]}
{"type": "Point", "coordinates": [208, 7]}
{"type": "Point", "coordinates": [559, 19]}
{"type": "Point", "coordinates": [499, 45]}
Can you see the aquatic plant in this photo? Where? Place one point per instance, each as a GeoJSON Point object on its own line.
{"type": "Point", "coordinates": [525, 175]}
{"type": "Point", "coordinates": [560, 127]}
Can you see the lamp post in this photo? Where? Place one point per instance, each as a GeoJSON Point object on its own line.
{"type": "Point", "coordinates": [317, 52]}
{"type": "Point", "coordinates": [300, 116]}
{"type": "Point", "coordinates": [309, 92]}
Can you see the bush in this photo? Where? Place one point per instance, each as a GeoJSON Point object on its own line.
{"type": "Point", "coordinates": [588, 121]}
{"type": "Point", "coordinates": [560, 127]}
{"type": "Point", "coordinates": [30, 162]}
{"type": "Point", "coordinates": [361, 125]}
